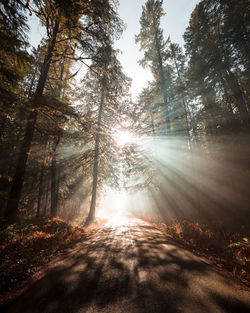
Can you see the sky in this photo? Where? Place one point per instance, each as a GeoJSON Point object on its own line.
{"type": "Point", "coordinates": [173, 24]}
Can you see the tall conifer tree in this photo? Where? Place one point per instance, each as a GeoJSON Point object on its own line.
{"type": "Point", "coordinates": [152, 43]}
{"type": "Point", "coordinates": [79, 33]}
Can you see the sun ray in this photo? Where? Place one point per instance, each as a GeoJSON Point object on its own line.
{"type": "Point", "coordinates": [124, 137]}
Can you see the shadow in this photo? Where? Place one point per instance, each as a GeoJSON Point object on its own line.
{"type": "Point", "coordinates": [132, 268]}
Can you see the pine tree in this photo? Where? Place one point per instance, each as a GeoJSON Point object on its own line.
{"type": "Point", "coordinates": [85, 33]}
{"type": "Point", "coordinates": [108, 88]}
{"type": "Point", "coordinates": [14, 64]}
{"type": "Point", "coordinates": [212, 60]}
{"type": "Point", "coordinates": [152, 43]}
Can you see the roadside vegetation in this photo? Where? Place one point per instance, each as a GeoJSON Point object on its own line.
{"type": "Point", "coordinates": [31, 243]}
{"type": "Point", "coordinates": [227, 249]}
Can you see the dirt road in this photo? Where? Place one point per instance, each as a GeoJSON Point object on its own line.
{"type": "Point", "coordinates": [131, 267]}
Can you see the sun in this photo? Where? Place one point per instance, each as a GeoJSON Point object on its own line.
{"type": "Point", "coordinates": [124, 137]}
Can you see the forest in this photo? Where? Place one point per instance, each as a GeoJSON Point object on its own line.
{"type": "Point", "coordinates": [176, 157]}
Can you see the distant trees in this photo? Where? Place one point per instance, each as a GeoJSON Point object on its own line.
{"type": "Point", "coordinates": [105, 89]}
{"type": "Point", "coordinates": [203, 92]}
{"type": "Point", "coordinates": [167, 63]}
{"type": "Point", "coordinates": [215, 74]}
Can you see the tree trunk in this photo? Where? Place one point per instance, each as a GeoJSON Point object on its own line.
{"type": "Point", "coordinates": [46, 194]}
{"type": "Point", "coordinates": [40, 192]}
{"type": "Point", "coordinates": [17, 183]}
{"type": "Point", "coordinates": [54, 167]}
{"type": "Point", "coordinates": [91, 214]}
{"type": "Point", "coordinates": [54, 188]}
{"type": "Point", "coordinates": [185, 107]}
{"type": "Point", "coordinates": [3, 121]}
{"type": "Point", "coordinates": [33, 78]}
{"type": "Point", "coordinates": [239, 97]}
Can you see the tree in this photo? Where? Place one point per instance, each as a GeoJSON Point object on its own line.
{"type": "Point", "coordinates": [82, 26]}
{"type": "Point", "coordinates": [105, 89]}
{"type": "Point", "coordinates": [212, 59]}
{"type": "Point", "coordinates": [14, 59]}
{"type": "Point", "coordinates": [14, 64]}
{"type": "Point", "coordinates": [151, 41]}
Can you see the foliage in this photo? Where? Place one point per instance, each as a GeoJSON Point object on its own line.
{"type": "Point", "coordinates": [217, 66]}
{"type": "Point", "coordinates": [26, 246]}
{"type": "Point", "coordinates": [75, 32]}
{"type": "Point", "coordinates": [54, 130]}
{"type": "Point", "coordinates": [152, 43]}
{"type": "Point", "coordinates": [196, 110]}
{"type": "Point", "coordinates": [226, 248]}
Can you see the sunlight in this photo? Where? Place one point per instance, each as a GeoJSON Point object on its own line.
{"type": "Point", "coordinates": [124, 137]}
{"type": "Point", "coordinates": [114, 206]}
{"type": "Point", "coordinates": [118, 220]}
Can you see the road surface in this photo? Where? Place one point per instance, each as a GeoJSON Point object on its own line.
{"type": "Point", "coordinates": [130, 267]}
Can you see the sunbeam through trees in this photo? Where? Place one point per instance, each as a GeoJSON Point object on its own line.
{"type": "Point", "coordinates": [80, 148]}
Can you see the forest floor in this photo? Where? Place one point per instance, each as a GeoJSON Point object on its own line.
{"type": "Point", "coordinates": [33, 242]}
{"type": "Point", "coordinates": [227, 249]}
{"type": "Point", "coordinates": [128, 265]}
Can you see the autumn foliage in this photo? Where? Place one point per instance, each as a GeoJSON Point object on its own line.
{"type": "Point", "coordinates": [227, 249]}
{"type": "Point", "coordinates": [26, 246]}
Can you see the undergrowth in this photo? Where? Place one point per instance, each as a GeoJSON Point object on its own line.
{"type": "Point", "coordinates": [33, 242]}
{"type": "Point", "coordinates": [225, 248]}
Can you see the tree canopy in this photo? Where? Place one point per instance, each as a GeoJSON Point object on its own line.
{"type": "Point", "coordinates": [64, 104]}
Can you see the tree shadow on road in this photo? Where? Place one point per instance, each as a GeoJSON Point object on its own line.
{"type": "Point", "coordinates": [130, 269]}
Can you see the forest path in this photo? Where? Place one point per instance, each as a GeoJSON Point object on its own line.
{"type": "Point", "coordinates": [129, 266]}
